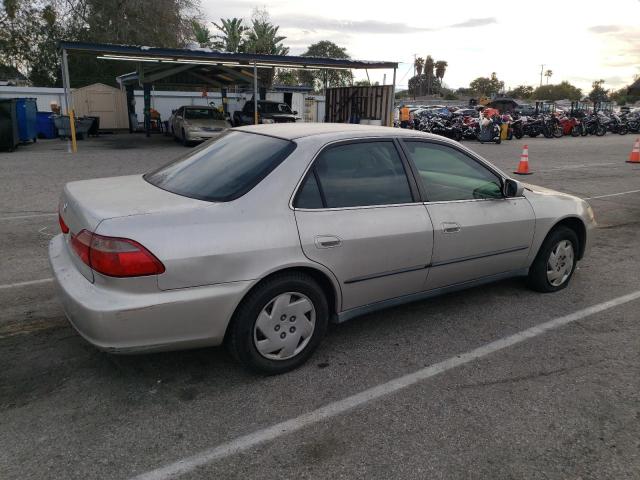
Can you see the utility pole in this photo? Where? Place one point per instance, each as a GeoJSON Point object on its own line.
{"type": "Point", "coordinates": [541, 72]}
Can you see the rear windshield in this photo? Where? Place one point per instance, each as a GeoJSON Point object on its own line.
{"type": "Point", "coordinates": [223, 170]}
{"type": "Point", "coordinates": [203, 114]}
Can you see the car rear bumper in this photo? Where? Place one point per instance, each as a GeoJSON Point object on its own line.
{"type": "Point", "coordinates": [131, 322]}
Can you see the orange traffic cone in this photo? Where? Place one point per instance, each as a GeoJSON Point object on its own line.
{"type": "Point", "coordinates": [634, 156]}
{"type": "Point", "coordinates": [523, 166]}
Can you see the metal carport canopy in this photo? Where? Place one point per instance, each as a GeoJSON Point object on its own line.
{"type": "Point", "coordinates": [175, 55]}
{"type": "Point", "coordinates": [177, 60]}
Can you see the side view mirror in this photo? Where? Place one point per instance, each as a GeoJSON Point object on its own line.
{"type": "Point", "coordinates": [295, 112]}
{"type": "Point", "coordinates": [512, 188]}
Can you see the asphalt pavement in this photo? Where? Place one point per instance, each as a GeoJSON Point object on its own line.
{"type": "Point", "coordinates": [562, 403]}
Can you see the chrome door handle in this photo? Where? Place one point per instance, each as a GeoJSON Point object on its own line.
{"type": "Point", "coordinates": [327, 241]}
{"type": "Point", "coordinates": [451, 227]}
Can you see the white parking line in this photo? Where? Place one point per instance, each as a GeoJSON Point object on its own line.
{"type": "Point", "coordinates": [34, 215]}
{"type": "Point", "coordinates": [246, 442]}
{"type": "Point", "coordinates": [25, 284]}
{"type": "Point", "coordinates": [612, 195]}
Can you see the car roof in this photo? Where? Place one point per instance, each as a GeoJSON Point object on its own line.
{"type": "Point", "coordinates": [291, 130]}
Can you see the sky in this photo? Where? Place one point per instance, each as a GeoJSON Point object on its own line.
{"type": "Point", "coordinates": [579, 41]}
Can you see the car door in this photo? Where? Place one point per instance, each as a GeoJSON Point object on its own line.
{"type": "Point", "coordinates": [358, 213]}
{"type": "Point", "coordinates": [477, 231]}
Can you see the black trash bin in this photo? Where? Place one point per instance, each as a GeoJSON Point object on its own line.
{"type": "Point", "coordinates": [95, 127]}
{"type": "Point", "coordinates": [9, 135]}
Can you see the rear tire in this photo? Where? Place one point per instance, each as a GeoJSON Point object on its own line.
{"type": "Point", "coordinates": [545, 267]}
{"type": "Point", "coordinates": [576, 131]}
{"type": "Point", "coordinates": [247, 328]}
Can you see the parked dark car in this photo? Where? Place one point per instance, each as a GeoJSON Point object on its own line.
{"type": "Point", "coordinates": [268, 112]}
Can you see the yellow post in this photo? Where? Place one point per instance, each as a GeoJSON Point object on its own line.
{"type": "Point", "coordinates": [72, 126]}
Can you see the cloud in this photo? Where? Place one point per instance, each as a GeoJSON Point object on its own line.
{"type": "Point", "coordinates": [313, 24]}
{"type": "Point", "coordinates": [604, 28]}
{"type": "Point", "coordinates": [475, 22]}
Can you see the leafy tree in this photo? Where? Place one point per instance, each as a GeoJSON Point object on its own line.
{"type": "Point", "coordinates": [465, 91]}
{"type": "Point", "coordinates": [623, 96]}
{"type": "Point", "coordinates": [423, 84]}
{"type": "Point", "coordinates": [487, 85]}
{"type": "Point", "coordinates": [598, 92]}
{"type": "Point", "coordinates": [332, 78]}
{"type": "Point", "coordinates": [232, 35]}
{"type": "Point", "coordinates": [521, 91]}
{"type": "Point", "coordinates": [365, 83]}
{"type": "Point", "coordinates": [428, 78]}
{"type": "Point", "coordinates": [548, 74]}
{"type": "Point", "coordinates": [561, 91]}
{"type": "Point", "coordinates": [31, 29]}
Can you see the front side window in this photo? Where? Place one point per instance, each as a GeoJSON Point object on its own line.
{"type": "Point", "coordinates": [448, 174]}
{"type": "Point", "coordinates": [357, 174]}
{"type": "Point", "coordinates": [225, 169]}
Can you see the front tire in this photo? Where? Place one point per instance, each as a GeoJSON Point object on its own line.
{"type": "Point", "coordinates": [279, 324]}
{"type": "Point", "coordinates": [556, 261]}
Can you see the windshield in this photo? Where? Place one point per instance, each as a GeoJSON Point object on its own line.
{"type": "Point", "coordinates": [224, 169]}
{"type": "Point", "coordinates": [203, 114]}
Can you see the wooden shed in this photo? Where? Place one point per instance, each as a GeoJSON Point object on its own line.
{"type": "Point", "coordinates": [360, 104]}
{"type": "Point", "coordinates": [100, 100]}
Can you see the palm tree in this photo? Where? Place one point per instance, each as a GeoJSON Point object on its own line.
{"type": "Point", "coordinates": [441, 68]}
{"type": "Point", "coordinates": [548, 74]}
{"type": "Point", "coordinates": [201, 33]}
{"type": "Point", "coordinates": [418, 64]}
{"type": "Point", "coordinates": [263, 38]}
{"type": "Point", "coordinates": [232, 34]}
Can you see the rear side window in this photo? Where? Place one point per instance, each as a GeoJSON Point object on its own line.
{"type": "Point", "coordinates": [223, 170]}
{"type": "Point", "coordinates": [357, 174]}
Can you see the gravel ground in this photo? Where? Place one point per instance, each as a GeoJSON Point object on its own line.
{"type": "Point", "coordinates": [562, 405]}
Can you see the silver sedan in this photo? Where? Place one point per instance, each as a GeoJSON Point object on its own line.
{"type": "Point", "coordinates": [261, 237]}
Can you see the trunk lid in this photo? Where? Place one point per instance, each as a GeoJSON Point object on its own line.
{"type": "Point", "coordinates": [85, 204]}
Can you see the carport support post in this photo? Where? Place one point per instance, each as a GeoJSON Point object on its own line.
{"type": "Point", "coordinates": [223, 94]}
{"type": "Point", "coordinates": [71, 144]}
{"type": "Point", "coordinates": [146, 88]}
{"type": "Point", "coordinates": [255, 92]}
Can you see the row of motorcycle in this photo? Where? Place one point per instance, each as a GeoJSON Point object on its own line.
{"type": "Point", "coordinates": [490, 128]}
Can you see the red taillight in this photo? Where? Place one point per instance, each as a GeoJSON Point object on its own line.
{"type": "Point", "coordinates": [115, 257]}
{"type": "Point", "coordinates": [81, 244]}
{"type": "Point", "coordinates": [63, 226]}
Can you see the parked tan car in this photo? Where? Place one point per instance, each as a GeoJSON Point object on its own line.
{"type": "Point", "coordinates": [192, 124]}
